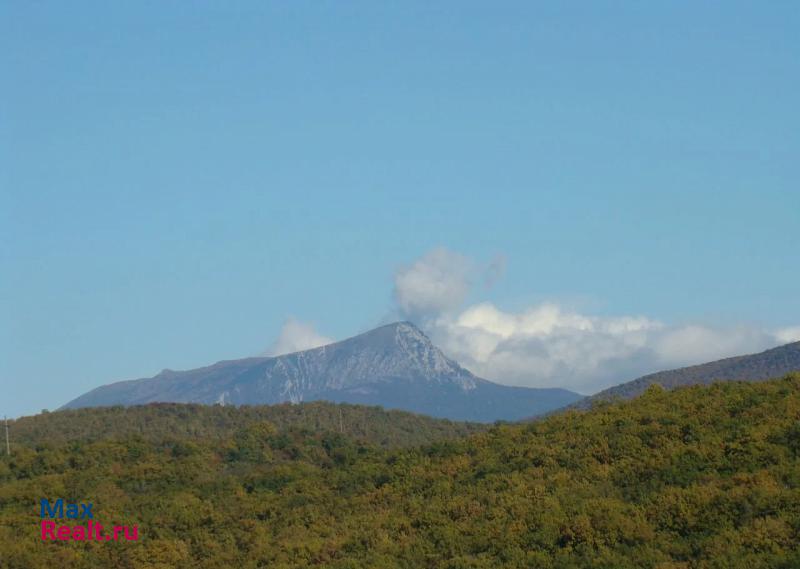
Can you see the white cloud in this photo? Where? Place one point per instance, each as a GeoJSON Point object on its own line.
{"type": "Point", "coordinates": [437, 282]}
{"type": "Point", "coordinates": [788, 335]}
{"type": "Point", "coordinates": [296, 336]}
{"type": "Point", "coordinates": [549, 345]}
{"type": "Point", "coordinates": [691, 344]}
{"type": "Point", "coordinates": [545, 345]}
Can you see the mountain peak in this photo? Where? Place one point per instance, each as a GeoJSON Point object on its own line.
{"type": "Point", "coordinates": [407, 331]}
{"type": "Point", "coordinates": [402, 328]}
{"type": "Point", "coordinates": [406, 326]}
{"type": "Point", "coordinates": [403, 345]}
{"type": "Point", "coordinates": [396, 350]}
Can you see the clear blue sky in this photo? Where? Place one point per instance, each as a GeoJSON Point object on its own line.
{"type": "Point", "coordinates": [177, 178]}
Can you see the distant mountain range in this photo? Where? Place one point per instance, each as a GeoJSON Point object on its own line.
{"type": "Point", "coordinates": [773, 363]}
{"type": "Point", "coordinates": [395, 366]}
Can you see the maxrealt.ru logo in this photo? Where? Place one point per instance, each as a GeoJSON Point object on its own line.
{"type": "Point", "coordinates": [90, 531]}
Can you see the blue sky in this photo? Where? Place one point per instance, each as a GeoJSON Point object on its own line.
{"type": "Point", "coordinates": [176, 181]}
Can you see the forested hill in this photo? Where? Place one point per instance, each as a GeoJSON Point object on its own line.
{"type": "Point", "coordinates": [159, 421]}
{"type": "Point", "coordinates": [695, 478]}
{"type": "Point", "coordinates": [753, 367]}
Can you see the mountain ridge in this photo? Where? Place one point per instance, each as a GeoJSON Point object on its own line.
{"type": "Point", "coordinates": [395, 365]}
{"type": "Point", "coordinates": [760, 366]}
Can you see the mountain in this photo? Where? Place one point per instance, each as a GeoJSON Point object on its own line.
{"type": "Point", "coordinates": [395, 366]}
{"type": "Point", "coordinates": [754, 367]}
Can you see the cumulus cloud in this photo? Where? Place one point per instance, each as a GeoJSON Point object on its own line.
{"type": "Point", "coordinates": [789, 335]}
{"type": "Point", "coordinates": [546, 345]}
{"type": "Point", "coordinates": [684, 345]}
{"type": "Point", "coordinates": [436, 283]}
{"type": "Point", "coordinates": [550, 345]}
{"type": "Point", "coordinates": [296, 336]}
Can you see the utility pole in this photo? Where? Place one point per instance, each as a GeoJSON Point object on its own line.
{"type": "Point", "coordinates": [8, 445]}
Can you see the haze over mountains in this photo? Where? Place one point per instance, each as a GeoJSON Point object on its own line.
{"type": "Point", "coordinates": [762, 366]}
{"type": "Point", "coordinates": [395, 366]}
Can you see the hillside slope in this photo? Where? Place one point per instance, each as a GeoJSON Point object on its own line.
{"type": "Point", "coordinates": [157, 421]}
{"type": "Point", "coordinates": [753, 367]}
{"type": "Point", "coordinates": [698, 477]}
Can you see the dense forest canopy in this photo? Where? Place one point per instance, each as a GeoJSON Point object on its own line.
{"type": "Point", "coordinates": [705, 477]}
{"type": "Point", "coordinates": [157, 421]}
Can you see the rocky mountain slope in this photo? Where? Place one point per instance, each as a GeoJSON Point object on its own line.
{"type": "Point", "coordinates": [395, 366]}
